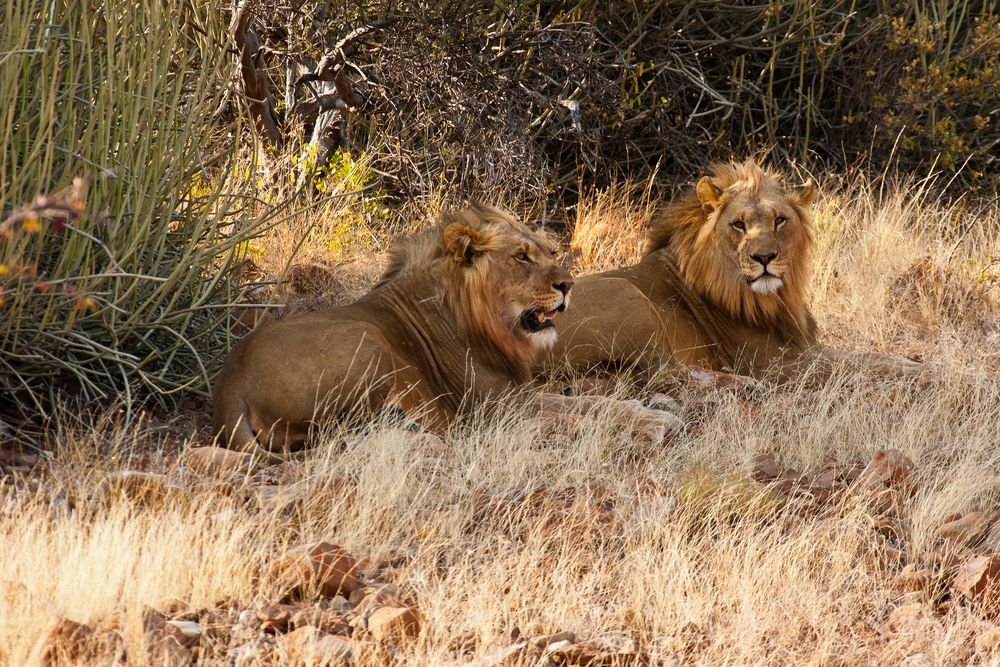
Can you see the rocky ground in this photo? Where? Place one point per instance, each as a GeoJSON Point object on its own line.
{"type": "Point", "coordinates": [299, 600]}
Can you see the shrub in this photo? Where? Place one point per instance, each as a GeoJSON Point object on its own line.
{"type": "Point", "coordinates": [121, 285]}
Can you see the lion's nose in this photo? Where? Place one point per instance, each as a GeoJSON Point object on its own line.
{"type": "Point", "coordinates": [764, 259]}
{"type": "Point", "coordinates": [563, 286]}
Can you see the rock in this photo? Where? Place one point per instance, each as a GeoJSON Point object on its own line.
{"type": "Point", "coordinates": [368, 600]}
{"type": "Point", "coordinates": [708, 379]}
{"type": "Point", "coordinates": [340, 604]}
{"type": "Point", "coordinates": [277, 497]}
{"type": "Point", "coordinates": [917, 660]}
{"type": "Point", "coordinates": [991, 540]}
{"type": "Point", "coordinates": [142, 487]}
{"type": "Point", "coordinates": [510, 648]}
{"type": "Point", "coordinates": [218, 462]}
{"type": "Point", "coordinates": [188, 629]}
{"type": "Point", "coordinates": [599, 654]}
{"type": "Point", "coordinates": [64, 642]}
{"type": "Point", "coordinates": [428, 444]}
{"type": "Point", "coordinates": [765, 468]}
{"type": "Point", "coordinates": [664, 402]}
{"type": "Point", "coordinates": [387, 623]}
{"type": "Point", "coordinates": [594, 386]}
{"type": "Point", "coordinates": [315, 648]}
{"type": "Point", "coordinates": [978, 580]}
{"type": "Point", "coordinates": [912, 578]}
{"type": "Point", "coordinates": [988, 641]}
{"type": "Point", "coordinates": [322, 567]}
{"type": "Point", "coordinates": [165, 644]}
{"type": "Point", "coordinates": [326, 620]}
{"type": "Point", "coordinates": [275, 617]}
{"type": "Point", "coordinates": [888, 468]}
{"type": "Point", "coordinates": [966, 529]}
{"type": "Point", "coordinates": [545, 641]}
{"type": "Point", "coordinates": [286, 472]}
{"type": "Point", "coordinates": [912, 617]}
{"type": "Point", "coordinates": [549, 423]}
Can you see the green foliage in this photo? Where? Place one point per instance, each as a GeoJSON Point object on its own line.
{"type": "Point", "coordinates": [126, 287]}
{"type": "Point", "coordinates": [947, 86]}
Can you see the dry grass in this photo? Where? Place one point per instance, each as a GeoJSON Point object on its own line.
{"type": "Point", "coordinates": [673, 547]}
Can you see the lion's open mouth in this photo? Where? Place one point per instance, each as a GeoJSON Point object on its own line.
{"type": "Point", "coordinates": [538, 319]}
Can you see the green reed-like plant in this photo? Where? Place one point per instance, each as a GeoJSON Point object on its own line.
{"type": "Point", "coordinates": [130, 289]}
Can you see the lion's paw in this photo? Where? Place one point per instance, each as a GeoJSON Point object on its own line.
{"type": "Point", "coordinates": [653, 425]}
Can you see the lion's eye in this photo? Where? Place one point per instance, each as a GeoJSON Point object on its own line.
{"type": "Point", "coordinates": [738, 224]}
{"type": "Point", "coordinates": [522, 257]}
{"type": "Point", "coordinates": [779, 221]}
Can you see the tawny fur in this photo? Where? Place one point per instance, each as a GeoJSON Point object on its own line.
{"type": "Point", "coordinates": [686, 228]}
{"type": "Point", "coordinates": [723, 284]}
{"type": "Point", "coordinates": [446, 328]}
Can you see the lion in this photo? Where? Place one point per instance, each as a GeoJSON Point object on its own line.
{"type": "Point", "coordinates": [722, 285]}
{"type": "Point", "coordinates": [459, 316]}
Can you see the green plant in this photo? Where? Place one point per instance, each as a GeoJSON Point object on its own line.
{"type": "Point", "coordinates": [131, 290]}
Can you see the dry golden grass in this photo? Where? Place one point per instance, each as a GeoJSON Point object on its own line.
{"type": "Point", "coordinates": [510, 525]}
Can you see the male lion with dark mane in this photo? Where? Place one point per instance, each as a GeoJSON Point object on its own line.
{"type": "Point", "coordinates": [459, 317]}
{"type": "Point", "coordinates": [722, 285]}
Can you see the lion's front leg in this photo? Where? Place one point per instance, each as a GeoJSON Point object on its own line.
{"type": "Point", "coordinates": [820, 361]}
{"type": "Point", "coordinates": [650, 424]}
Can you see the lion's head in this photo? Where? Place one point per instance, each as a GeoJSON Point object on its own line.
{"type": "Point", "coordinates": [500, 279]}
{"type": "Point", "coordinates": [743, 241]}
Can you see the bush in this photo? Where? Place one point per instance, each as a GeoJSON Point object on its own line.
{"type": "Point", "coordinates": [120, 284]}
{"type": "Point", "coordinates": [529, 100]}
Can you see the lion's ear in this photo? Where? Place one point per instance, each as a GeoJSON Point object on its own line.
{"type": "Point", "coordinates": [708, 193]}
{"type": "Point", "coordinates": [806, 192]}
{"type": "Point", "coordinates": [464, 242]}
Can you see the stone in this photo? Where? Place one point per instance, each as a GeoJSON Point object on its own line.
{"type": "Point", "coordinates": [327, 620]}
{"type": "Point", "coordinates": [315, 648]}
{"type": "Point", "coordinates": [912, 616]}
{"type": "Point", "coordinates": [165, 644]}
{"type": "Point", "coordinates": [218, 462]}
{"type": "Point", "coordinates": [917, 660]}
{"type": "Point", "coordinates": [545, 641]}
{"type": "Point", "coordinates": [275, 617]}
{"type": "Point", "coordinates": [708, 379]}
{"type": "Point", "coordinates": [600, 654]}
{"type": "Point", "coordinates": [190, 630]}
{"type": "Point", "coordinates": [966, 529]}
{"type": "Point", "coordinates": [141, 487]}
{"type": "Point", "coordinates": [428, 444]}
{"type": "Point", "coordinates": [64, 642]}
{"type": "Point", "coordinates": [367, 600]}
{"type": "Point", "coordinates": [286, 472]}
{"type": "Point", "coordinates": [988, 641]}
{"type": "Point", "coordinates": [978, 580]}
{"type": "Point", "coordinates": [888, 468]}
{"type": "Point", "coordinates": [388, 623]}
{"type": "Point", "coordinates": [991, 540]}
{"type": "Point", "coordinates": [664, 402]}
{"type": "Point", "coordinates": [277, 497]}
{"type": "Point", "coordinates": [765, 468]}
{"type": "Point", "coordinates": [321, 567]}
{"type": "Point", "coordinates": [595, 386]}
{"type": "Point", "coordinates": [912, 578]}
{"type": "Point", "coordinates": [510, 648]}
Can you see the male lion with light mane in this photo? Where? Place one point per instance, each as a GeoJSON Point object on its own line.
{"type": "Point", "coordinates": [722, 285]}
{"type": "Point", "coordinates": [459, 316]}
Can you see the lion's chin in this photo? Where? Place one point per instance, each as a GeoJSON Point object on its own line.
{"type": "Point", "coordinates": [543, 339]}
{"type": "Point", "coordinates": [766, 284]}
